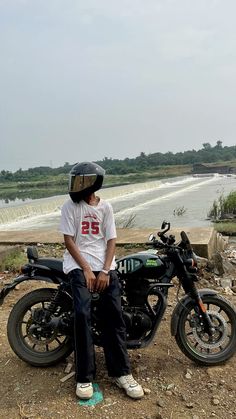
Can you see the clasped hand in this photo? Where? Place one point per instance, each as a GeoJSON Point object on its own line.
{"type": "Point", "coordinates": [96, 284]}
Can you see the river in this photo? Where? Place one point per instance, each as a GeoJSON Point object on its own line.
{"type": "Point", "coordinates": [147, 203]}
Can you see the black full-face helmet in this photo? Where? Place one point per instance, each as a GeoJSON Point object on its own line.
{"type": "Point", "coordinates": [85, 178]}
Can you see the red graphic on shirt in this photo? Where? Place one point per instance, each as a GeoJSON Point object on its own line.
{"type": "Point", "coordinates": [90, 227]}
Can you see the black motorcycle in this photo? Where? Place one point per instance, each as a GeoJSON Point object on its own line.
{"type": "Point", "coordinates": [40, 325]}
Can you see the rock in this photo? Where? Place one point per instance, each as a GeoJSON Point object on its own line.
{"type": "Point", "coordinates": [222, 382]}
{"type": "Point", "coordinates": [217, 261]}
{"type": "Point", "coordinates": [228, 291]}
{"type": "Point", "coordinates": [188, 376]}
{"type": "Point", "coordinates": [68, 368]}
{"type": "Point", "coordinates": [226, 282]}
{"type": "Point", "coordinates": [189, 405]}
{"type": "Point", "coordinates": [160, 403]}
{"type": "Point", "coordinates": [215, 401]}
{"type": "Point", "coordinates": [202, 262]}
{"type": "Point", "coordinates": [228, 267]}
{"type": "Point", "coordinates": [169, 393]}
{"type": "Point", "coordinates": [146, 390]}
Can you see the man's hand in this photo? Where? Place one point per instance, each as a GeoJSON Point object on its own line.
{"type": "Point", "coordinates": [102, 282]}
{"type": "Point", "coordinates": [90, 279]}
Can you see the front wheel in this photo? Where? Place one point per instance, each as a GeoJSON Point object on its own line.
{"type": "Point", "coordinates": [196, 343]}
{"type": "Point", "coordinates": [34, 340]}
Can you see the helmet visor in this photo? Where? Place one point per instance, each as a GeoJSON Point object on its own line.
{"type": "Point", "coordinates": [78, 183]}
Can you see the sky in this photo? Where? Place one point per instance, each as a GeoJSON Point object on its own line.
{"type": "Point", "coordinates": [88, 79]}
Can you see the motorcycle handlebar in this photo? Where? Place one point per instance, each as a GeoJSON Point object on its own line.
{"type": "Point", "coordinates": [158, 244]}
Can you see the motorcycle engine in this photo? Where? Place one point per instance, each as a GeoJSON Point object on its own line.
{"type": "Point", "coordinates": [137, 322]}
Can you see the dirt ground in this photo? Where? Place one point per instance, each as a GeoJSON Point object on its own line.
{"type": "Point", "coordinates": [175, 388]}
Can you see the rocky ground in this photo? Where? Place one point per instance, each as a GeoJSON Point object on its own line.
{"type": "Point", "coordinates": [175, 387]}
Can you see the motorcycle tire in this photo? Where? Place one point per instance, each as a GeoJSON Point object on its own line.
{"type": "Point", "coordinates": [26, 346]}
{"type": "Point", "coordinates": [196, 344]}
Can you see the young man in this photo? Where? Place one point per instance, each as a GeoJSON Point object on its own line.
{"type": "Point", "coordinates": [87, 223]}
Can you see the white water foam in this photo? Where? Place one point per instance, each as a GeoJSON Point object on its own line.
{"type": "Point", "coordinates": [127, 199]}
{"type": "Point", "coordinates": [25, 214]}
{"type": "Point", "coordinates": [165, 197]}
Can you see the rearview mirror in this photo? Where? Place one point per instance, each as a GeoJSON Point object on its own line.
{"type": "Point", "coordinates": [151, 237]}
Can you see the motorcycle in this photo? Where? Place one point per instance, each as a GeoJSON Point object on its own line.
{"type": "Point", "coordinates": [40, 325]}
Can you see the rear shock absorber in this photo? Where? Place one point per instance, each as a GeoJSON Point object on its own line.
{"type": "Point", "coordinates": [55, 301]}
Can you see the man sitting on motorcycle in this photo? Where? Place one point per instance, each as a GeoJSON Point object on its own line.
{"type": "Point", "coordinates": [88, 225]}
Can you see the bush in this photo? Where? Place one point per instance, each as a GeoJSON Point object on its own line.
{"type": "Point", "coordinates": [13, 261]}
{"type": "Point", "coordinates": [224, 207]}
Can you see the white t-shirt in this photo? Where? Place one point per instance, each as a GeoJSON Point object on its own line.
{"type": "Point", "coordinates": [91, 227]}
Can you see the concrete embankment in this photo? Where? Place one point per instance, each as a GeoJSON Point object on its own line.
{"type": "Point", "coordinates": [205, 241]}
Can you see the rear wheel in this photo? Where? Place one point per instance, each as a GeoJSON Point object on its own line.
{"type": "Point", "coordinates": [196, 343]}
{"type": "Point", "coordinates": [34, 340]}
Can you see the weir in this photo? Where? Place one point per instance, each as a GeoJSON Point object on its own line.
{"type": "Point", "coordinates": [152, 200]}
{"type": "Point", "coordinates": [21, 212]}
{"type": "Point", "coordinates": [205, 241]}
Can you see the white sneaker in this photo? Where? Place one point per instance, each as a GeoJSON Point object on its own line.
{"type": "Point", "coordinates": [84, 390]}
{"type": "Point", "coordinates": [131, 387]}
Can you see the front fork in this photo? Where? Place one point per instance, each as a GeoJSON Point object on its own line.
{"type": "Point", "coordinates": [202, 312]}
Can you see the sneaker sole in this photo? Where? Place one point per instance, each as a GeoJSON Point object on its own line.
{"type": "Point", "coordinates": [84, 397]}
{"type": "Point", "coordinates": [129, 395]}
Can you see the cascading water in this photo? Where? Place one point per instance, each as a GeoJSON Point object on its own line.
{"type": "Point", "coordinates": [150, 203]}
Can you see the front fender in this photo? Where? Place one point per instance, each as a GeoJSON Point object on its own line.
{"type": "Point", "coordinates": [181, 306]}
{"type": "Point", "coordinates": [21, 278]}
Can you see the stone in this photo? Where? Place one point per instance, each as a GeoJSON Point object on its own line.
{"type": "Point", "coordinates": [189, 405]}
{"type": "Point", "coordinates": [169, 393]}
{"type": "Point", "coordinates": [160, 403]}
{"type": "Point", "coordinates": [215, 401]}
{"type": "Point", "coordinates": [146, 390]}
{"type": "Point", "coordinates": [226, 282]}
{"type": "Point", "coordinates": [218, 263]}
{"type": "Point", "coordinates": [228, 291]}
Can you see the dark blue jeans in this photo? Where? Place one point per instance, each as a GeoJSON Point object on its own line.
{"type": "Point", "coordinates": [112, 324]}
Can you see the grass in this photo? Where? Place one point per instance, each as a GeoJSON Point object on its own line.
{"type": "Point", "coordinates": [13, 261]}
{"type": "Point", "coordinates": [227, 228]}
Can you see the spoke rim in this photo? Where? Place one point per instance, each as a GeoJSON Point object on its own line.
{"type": "Point", "coordinates": [42, 345]}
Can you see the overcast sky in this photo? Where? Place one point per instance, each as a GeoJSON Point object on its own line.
{"type": "Point", "coordinates": [85, 79]}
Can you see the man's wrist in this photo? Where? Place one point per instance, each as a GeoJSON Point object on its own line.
{"type": "Point", "coordinates": [105, 271]}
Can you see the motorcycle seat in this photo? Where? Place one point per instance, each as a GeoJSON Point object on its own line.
{"type": "Point", "coordinates": [51, 263]}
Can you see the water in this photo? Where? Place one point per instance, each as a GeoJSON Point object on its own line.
{"type": "Point", "coordinates": [150, 203]}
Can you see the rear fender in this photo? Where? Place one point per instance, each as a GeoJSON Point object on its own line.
{"type": "Point", "coordinates": [21, 278]}
{"type": "Point", "coordinates": [181, 306]}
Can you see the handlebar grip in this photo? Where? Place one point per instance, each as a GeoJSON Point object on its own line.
{"type": "Point", "coordinates": [156, 244]}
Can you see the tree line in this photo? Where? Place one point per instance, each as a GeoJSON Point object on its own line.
{"type": "Point", "coordinates": [143, 162]}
